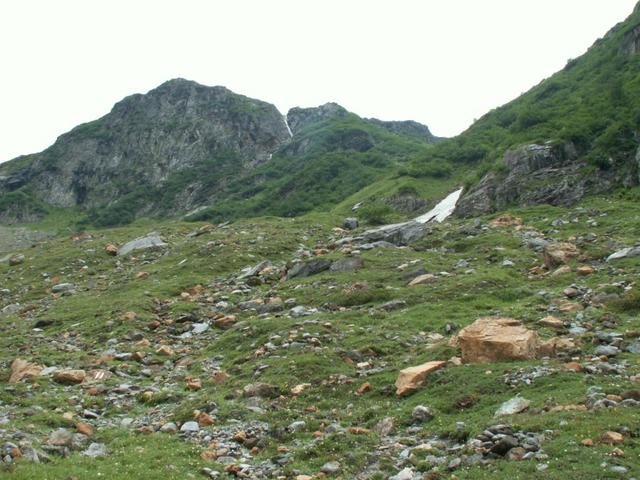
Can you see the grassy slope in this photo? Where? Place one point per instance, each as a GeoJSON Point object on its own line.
{"type": "Point", "coordinates": [391, 341]}
{"type": "Point", "coordinates": [593, 102]}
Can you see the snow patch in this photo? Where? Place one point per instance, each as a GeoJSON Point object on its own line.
{"type": "Point", "coordinates": [442, 210]}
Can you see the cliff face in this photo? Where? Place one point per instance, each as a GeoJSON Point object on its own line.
{"type": "Point", "coordinates": [145, 140]}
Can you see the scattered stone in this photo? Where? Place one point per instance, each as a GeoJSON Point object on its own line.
{"type": "Point", "coordinates": [21, 369]}
{"type": "Point", "coordinates": [330, 468]}
{"type": "Point", "coordinates": [551, 322]}
{"type": "Point", "coordinates": [559, 253]}
{"type": "Point", "coordinates": [612, 438]}
{"type": "Point", "coordinates": [513, 406]}
{"type": "Point", "coordinates": [410, 379]}
{"type": "Point", "coordinates": [421, 414]}
{"type": "Point", "coordinates": [16, 259]}
{"type": "Point", "coordinates": [349, 264]}
{"type": "Point", "coordinates": [423, 279]}
{"type": "Point", "coordinates": [111, 249]}
{"type": "Point", "coordinates": [308, 268]}
{"type": "Point", "coordinates": [350, 223]}
{"type": "Point", "coordinates": [69, 376]}
{"type": "Point", "coordinates": [151, 241]}
{"type": "Point", "coordinates": [63, 288]}
{"type": "Point", "coordinates": [624, 253]}
{"type": "Point", "coordinates": [96, 450]}
{"type": "Point", "coordinates": [494, 339]}
{"type": "Point", "coordinates": [190, 427]}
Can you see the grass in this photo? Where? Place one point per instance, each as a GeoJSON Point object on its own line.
{"type": "Point", "coordinates": [357, 332]}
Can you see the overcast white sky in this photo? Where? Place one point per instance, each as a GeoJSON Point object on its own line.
{"type": "Point", "coordinates": [441, 62]}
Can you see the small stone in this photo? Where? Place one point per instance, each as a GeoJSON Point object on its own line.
{"type": "Point", "coordinates": [69, 376]}
{"type": "Point", "coordinates": [169, 427]}
{"type": "Point", "coordinates": [84, 429]}
{"type": "Point", "coordinates": [585, 270]}
{"type": "Point", "coordinates": [330, 468]}
{"type": "Point", "coordinates": [63, 287]}
{"type": "Point", "coordinates": [96, 450]}
{"type": "Point", "coordinates": [190, 427]}
{"type": "Point", "coordinates": [16, 259]}
{"type": "Point", "coordinates": [551, 322]}
{"type": "Point", "coordinates": [423, 279]}
{"type": "Point", "coordinates": [111, 249]}
{"type": "Point", "coordinates": [612, 438]}
{"type": "Point", "coordinates": [619, 469]}
{"type": "Point", "coordinates": [513, 406]}
{"type": "Point", "coordinates": [421, 414]}
{"type": "Point", "coordinates": [587, 442]}
{"type": "Point", "coordinates": [165, 350]}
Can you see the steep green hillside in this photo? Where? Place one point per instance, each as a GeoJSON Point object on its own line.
{"type": "Point", "coordinates": [592, 106]}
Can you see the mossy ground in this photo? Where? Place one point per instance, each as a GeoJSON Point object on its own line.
{"type": "Point", "coordinates": [390, 341]}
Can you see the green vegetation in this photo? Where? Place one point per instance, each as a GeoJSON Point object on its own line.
{"type": "Point", "coordinates": [349, 325]}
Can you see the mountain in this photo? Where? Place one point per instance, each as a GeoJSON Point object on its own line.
{"type": "Point", "coordinates": [184, 146]}
{"type": "Point", "coordinates": [575, 133]}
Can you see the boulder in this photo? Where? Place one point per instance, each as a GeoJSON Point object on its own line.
{"type": "Point", "coordinates": [348, 264]}
{"type": "Point", "coordinates": [311, 267]}
{"type": "Point", "coordinates": [350, 223]}
{"type": "Point", "coordinates": [111, 249]}
{"type": "Point", "coordinates": [495, 339]}
{"type": "Point", "coordinates": [397, 234]}
{"type": "Point", "coordinates": [150, 241]}
{"type": "Point", "coordinates": [624, 253]}
{"type": "Point", "coordinates": [21, 369]}
{"type": "Point", "coordinates": [16, 259]}
{"type": "Point", "coordinates": [69, 376]}
{"type": "Point", "coordinates": [423, 279]}
{"type": "Point", "coordinates": [513, 406]}
{"type": "Point", "coordinates": [412, 378]}
{"type": "Point", "coordinates": [559, 253]}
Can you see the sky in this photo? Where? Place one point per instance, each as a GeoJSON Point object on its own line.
{"type": "Point", "coordinates": [443, 63]}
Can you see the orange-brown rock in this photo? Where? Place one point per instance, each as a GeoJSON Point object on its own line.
{"type": "Point", "coordinates": [612, 438]}
{"type": "Point", "coordinates": [494, 339]}
{"type": "Point", "coordinates": [559, 253]}
{"type": "Point", "coordinates": [220, 377]}
{"type": "Point", "coordinates": [165, 350]}
{"type": "Point", "coordinates": [573, 367]}
{"type": "Point", "coordinates": [225, 322]}
{"type": "Point", "coordinates": [69, 376]}
{"type": "Point", "coordinates": [412, 378]}
{"type": "Point", "coordinates": [551, 322]}
{"type": "Point", "coordinates": [21, 369]}
{"type": "Point", "coordinates": [585, 270]}
{"type": "Point", "coordinates": [561, 271]}
{"type": "Point", "coordinates": [85, 429]}
{"type": "Point", "coordinates": [587, 442]}
{"type": "Point", "coordinates": [506, 220]}
{"type": "Point", "coordinates": [194, 384]}
{"type": "Point", "coordinates": [204, 419]}
{"type": "Point", "coordinates": [111, 249]}
{"type": "Point", "coordinates": [553, 346]}
{"type": "Point", "coordinates": [364, 388]}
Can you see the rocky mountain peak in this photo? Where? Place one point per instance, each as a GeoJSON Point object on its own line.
{"type": "Point", "coordinates": [298, 118]}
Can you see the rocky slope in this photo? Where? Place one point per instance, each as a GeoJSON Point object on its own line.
{"type": "Point", "coordinates": [183, 145]}
{"type": "Point", "coordinates": [499, 347]}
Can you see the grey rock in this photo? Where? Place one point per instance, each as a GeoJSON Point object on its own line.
{"type": "Point", "coordinates": [255, 270]}
{"type": "Point", "coordinates": [422, 414]}
{"type": "Point", "coordinates": [63, 287]}
{"type": "Point", "coordinates": [330, 468]}
{"type": "Point", "coordinates": [150, 241]}
{"type": "Point", "coordinates": [404, 474]}
{"type": "Point", "coordinates": [190, 427]}
{"type": "Point", "coordinates": [350, 223]}
{"type": "Point", "coordinates": [96, 450]}
{"type": "Point", "coordinates": [308, 268]}
{"type": "Point", "coordinates": [398, 234]}
{"type": "Point", "coordinates": [624, 253]}
{"type": "Point", "coordinates": [513, 406]}
{"type": "Point", "coordinates": [169, 427]}
{"type": "Point", "coordinates": [608, 350]}
{"type": "Point", "coordinates": [16, 259]}
{"type": "Point", "coordinates": [348, 264]}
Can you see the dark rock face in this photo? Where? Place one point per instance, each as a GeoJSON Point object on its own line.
{"type": "Point", "coordinates": [536, 174]}
{"type": "Point", "coordinates": [397, 234]}
{"type": "Point", "coordinates": [147, 138]}
{"type": "Point", "coordinates": [300, 118]}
